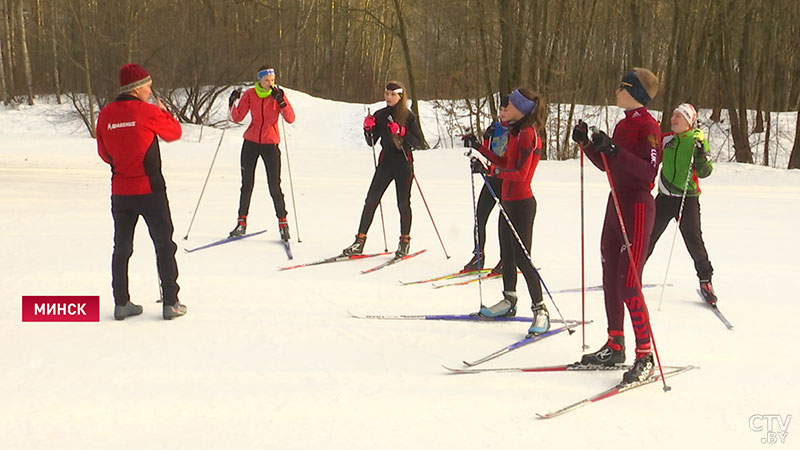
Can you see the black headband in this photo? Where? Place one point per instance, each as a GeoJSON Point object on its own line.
{"type": "Point", "coordinates": [631, 83]}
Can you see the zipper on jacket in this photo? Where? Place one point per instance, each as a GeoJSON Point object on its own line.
{"type": "Point", "coordinates": [261, 127]}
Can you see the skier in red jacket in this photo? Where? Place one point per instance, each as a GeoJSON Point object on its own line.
{"type": "Point", "coordinates": [265, 102]}
{"type": "Point", "coordinates": [526, 114]}
{"type": "Point", "coordinates": [633, 155]}
{"type": "Point", "coordinates": [127, 139]}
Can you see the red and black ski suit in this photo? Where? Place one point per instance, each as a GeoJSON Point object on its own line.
{"type": "Point", "coordinates": [127, 138]}
{"type": "Point", "coordinates": [516, 168]}
{"type": "Point", "coordinates": [633, 172]}
{"type": "Point", "coordinates": [394, 164]}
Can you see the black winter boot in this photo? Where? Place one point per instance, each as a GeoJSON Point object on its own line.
{"type": "Point", "coordinates": [241, 227]}
{"type": "Point", "coordinates": [403, 246]}
{"type": "Point", "coordinates": [610, 354]}
{"type": "Point", "coordinates": [642, 369]}
{"type": "Point", "coordinates": [357, 247]}
{"type": "Point", "coordinates": [283, 228]}
{"type": "Point", "coordinates": [129, 309]}
{"type": "Point", "coordinates": [170, 312]}
{"type": "Point", "coordinates": [707, 291]}
{"type": "Point", "coordinates": [474, 264]}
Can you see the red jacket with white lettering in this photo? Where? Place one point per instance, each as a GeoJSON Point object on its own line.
{"type": "Point", "coordinates": [517, 165]}
{"type": "Point", "coordinates": [638, 137]}
{"type": "Point", "coordinates": [263, 128]}
{"type": "Point", "coordinates": [127, 139]}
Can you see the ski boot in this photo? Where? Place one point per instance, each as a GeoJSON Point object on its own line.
{"type": "Point", "coordinates": [642, 369]}
{"type": "Point", "coordinates": [541, 320]}
{"type": "Point", "coordinates": [283, 228]}
{"type": "Point", "coordinates": [707, 291]}
{"type": "Point", "coordinates": [357, 247]}
{"type": "Point", "coordinates": [475, 264]}
{"type": "Point", "coordinates": [127, 310]}
{"type": "Point", "coordinates": [403, 246]}
{"type": "Point", "coordinates": [241, 227]}
{"type": "Point", "coordinates": [507, 307]}
{"type": "Point", "coordinates": [498, 269]}
{"type": "Point", "coordinates": [610, 354]}
{"type": "Point", "coordinates": [170, 312]}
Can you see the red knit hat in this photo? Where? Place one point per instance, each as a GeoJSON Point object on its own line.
{"type": "Point", "coordinates": [132, 76]}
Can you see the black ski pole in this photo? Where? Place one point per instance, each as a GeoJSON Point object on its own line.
{"type": "Point", "coordinates": [524, 250]}
{"type": "Point", "coordinates": [204, 185]}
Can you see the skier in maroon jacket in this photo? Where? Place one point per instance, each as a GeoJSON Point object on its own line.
{"type": "Point", "coordinates": [127, 139]}
{"type": "Point", "coordinates": [633, 155]}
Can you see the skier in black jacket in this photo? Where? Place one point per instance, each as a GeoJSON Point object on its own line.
{"type": "Point", "coordinates": [395, 126]}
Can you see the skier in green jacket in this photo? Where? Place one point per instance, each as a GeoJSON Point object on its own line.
{"type": "Point", "coordinates": [686, 159]}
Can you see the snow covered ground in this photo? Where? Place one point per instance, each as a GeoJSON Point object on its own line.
{"type": "Point", "coordinates": [270, 359]}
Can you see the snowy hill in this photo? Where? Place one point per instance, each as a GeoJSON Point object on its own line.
{"type": "Point", "coordinates": [271, 359]}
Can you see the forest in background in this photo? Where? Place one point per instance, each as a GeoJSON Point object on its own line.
{"type": "Point", "coordinates": [731, 55]}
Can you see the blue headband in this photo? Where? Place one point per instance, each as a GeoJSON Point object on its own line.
{"type": "Point", "coordinates": [631, 83]}
{"type": "Point", "coordinates": [522, 103]}
{"type": "Point", "coordinates": [265, 72]}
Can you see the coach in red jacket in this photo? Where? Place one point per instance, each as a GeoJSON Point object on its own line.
{"type": "Point", "coordinates": [127, 139]}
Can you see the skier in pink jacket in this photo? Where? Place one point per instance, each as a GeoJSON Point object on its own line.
{"type": "Point", "coordinates": [265, 102]}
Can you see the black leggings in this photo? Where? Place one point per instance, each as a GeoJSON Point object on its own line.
{"type": "Point", "coordinates": [521, 213]}
{"type": "Point", "coordinates": [485, 206]}
{"type": "Point", "coordinates": [271, 155]}
{"type": "Point", "coordinates": [668, 208]}
{"type": "Point", "coordinates": [402, 172]}
{"type": "Point", "coordinates": [154, 208]}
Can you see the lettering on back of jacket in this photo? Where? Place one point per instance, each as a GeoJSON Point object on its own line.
{"type": "Point", "coordinates": [113, 126]}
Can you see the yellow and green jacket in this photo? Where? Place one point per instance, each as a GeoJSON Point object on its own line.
{"type": "Point", "coordinates": [680, 155]}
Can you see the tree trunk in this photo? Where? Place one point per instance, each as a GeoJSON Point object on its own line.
{"type": "Point", "coordinates": [9, 22]}
{"type": "Point", "coordinates": [56, 74]}
{"type": "Point", "coordinates": [794, 159]}
{"type": "Point", "coordinates": [766, 139]}
{"type": "Point", "coordinates": [487, 77]}
{"type": "Point", "coordinates": [3, 78]}
{"type": "Point", "coordinates": [401, 23]}
{"type": "Point", "coordinates": [26, 60]}
{"type": "Point", "coordinates": [81, 24]}
{"type": "Point", "coordinates": [636, 34]}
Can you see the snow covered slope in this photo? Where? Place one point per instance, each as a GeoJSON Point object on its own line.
{"type": "Point", "coordinates": [271, 359]}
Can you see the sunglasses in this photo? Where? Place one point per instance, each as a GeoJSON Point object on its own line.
{"type": "Point", "coordinates": [623, 85]}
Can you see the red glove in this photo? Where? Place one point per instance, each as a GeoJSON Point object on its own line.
{"type": "Point", "coordinates": [395, 128]}
{"type": "Point", "coordinates": [369, 122]}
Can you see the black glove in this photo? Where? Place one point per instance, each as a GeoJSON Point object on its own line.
{"type": "Point", "coordinates": [235, 95]}
{"type": "Point", "coordinates": [580, 133]}
{"type": "Point", "coordinates": [470, 141]}
{"type": "Point", "coordinates": [477, 166]}
{"type": "Point", "coordinates": [278, 94]}
{"type": "Point", "coordinates": [487, 135]}
{"type": "Point", "coordinates": [699, 151]}
{"type": "Point", "coordinates": [604, 144]}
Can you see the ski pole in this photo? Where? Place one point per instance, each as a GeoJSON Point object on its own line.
{"type": "Point", "coordinates": [632, 261]}
{"type": "Point", "coordinates": [583, 264]}
{"type": "Point", "coordinates": [478, 251]}
{"type": "Point", "coordinates": [524, 250]}
{"type": "Point", "coordinates": [204, 185]}
{"type": "Point", "coordinates": [425, 202]}
{"type": "Point", "coordinates": [679, 219]}
{"type": "Point", "coordinates": [429, 214]}
{"type": "Point", "coordinates": [380, 202]}
{"type": "Point", "coordinates": [291, 184]}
